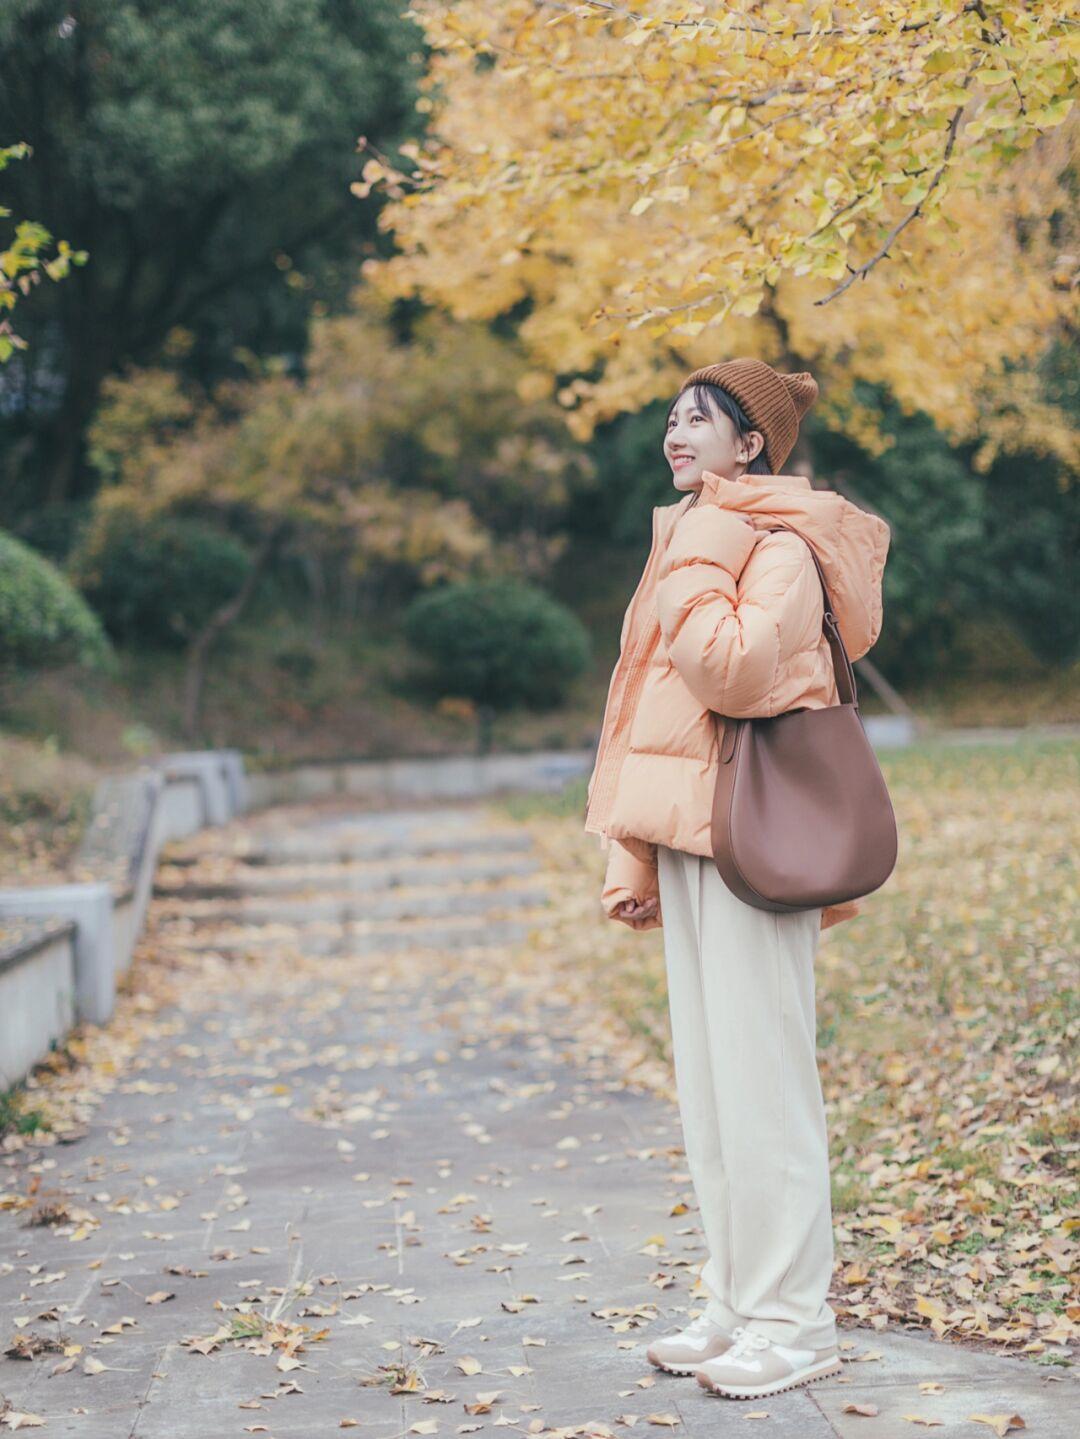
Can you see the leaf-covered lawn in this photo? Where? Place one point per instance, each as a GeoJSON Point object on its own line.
{"type": "Point", "coordinates": [45, 796]}
{"type": "Point", "coordinates": [947, 1018]}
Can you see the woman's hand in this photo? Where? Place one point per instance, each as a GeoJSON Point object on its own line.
{"type": "Point", "coordinates": [631, 889]}
{"type": "Point", "coordinates": [634, 911]}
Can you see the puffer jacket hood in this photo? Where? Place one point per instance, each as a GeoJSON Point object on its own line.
{"type": "Point", "coordinates": [723, 621]}
{"type": "Point", "coordinates": [850, 543]}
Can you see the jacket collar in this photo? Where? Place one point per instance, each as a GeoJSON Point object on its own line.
{"type": "Point", "coordinates": [722, 485]}
{"type": "Point", "coordinates": [729, 492]}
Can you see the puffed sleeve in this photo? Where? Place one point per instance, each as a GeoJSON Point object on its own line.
{"type": "Point", "coordinates": [631, 874]}
{"type": "Point", "coordinates": [731, 617]}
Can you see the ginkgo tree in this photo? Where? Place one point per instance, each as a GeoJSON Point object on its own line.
{"type": "Point", "coordinates": [874, 191]}
{"type": "Point", "coordinates": [25, 259]}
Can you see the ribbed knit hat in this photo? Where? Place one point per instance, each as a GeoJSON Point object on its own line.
{"type": "Point", "coordinates": [773, 402]}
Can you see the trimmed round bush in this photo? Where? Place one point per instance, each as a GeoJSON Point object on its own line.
{"type": "Point", "coordinates": [498, 642]}
{"type": "Point", "coordinates": [156, 581]}
{"type": "Point", "coordinates": [43, 621]}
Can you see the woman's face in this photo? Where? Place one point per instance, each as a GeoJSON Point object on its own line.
{"type": "Point", "coordinates": [697, 441]}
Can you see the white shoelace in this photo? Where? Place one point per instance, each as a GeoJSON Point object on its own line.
{"type": "Point", "coordinates": [747, 1341]}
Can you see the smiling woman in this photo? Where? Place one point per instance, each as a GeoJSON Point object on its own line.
{"type": "Point", "coordinates": [728, 619]}
{"type": "Point", "coordinates": [707, 429]}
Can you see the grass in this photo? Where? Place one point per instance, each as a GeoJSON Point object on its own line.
{"type": "Point", "coordinates": [45, 797]}
{"type": "Point", "coordinates": [17, 1116]}
{"type": "Point", "coordinates": [948, 1018]}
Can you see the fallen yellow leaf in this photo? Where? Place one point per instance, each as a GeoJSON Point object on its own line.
{"type": "Point", "coordinates": [999, 1423]}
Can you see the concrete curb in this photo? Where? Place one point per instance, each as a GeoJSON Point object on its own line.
{"type": "Point", "coordinates": [449, 777]}
{"type": "Point", "coordinates": [81, 937]}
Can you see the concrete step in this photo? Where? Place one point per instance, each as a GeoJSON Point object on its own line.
{"type": "Point", "coordinates": [303, 848]}
{"type": "Point", "coordinates": [429, 904]}
{"type": "Point", "coordinates": [295, 880]}
{"type": "Point", "coordinates": [345, 941]}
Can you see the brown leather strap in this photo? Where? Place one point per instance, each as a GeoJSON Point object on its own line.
{"type": "Point", "coordinates": [845, 674]}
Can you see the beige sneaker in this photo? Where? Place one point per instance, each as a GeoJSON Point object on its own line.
{"type": "Point", "coordinates": [681, 1353]}
{"type": "Point", "coordinates": [752, 1368]}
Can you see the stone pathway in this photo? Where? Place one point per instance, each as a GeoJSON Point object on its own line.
{"type": "Point", "coordinates": [339, 1124]}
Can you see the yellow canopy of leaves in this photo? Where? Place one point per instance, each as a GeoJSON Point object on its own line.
{"type": "Point", "coordinates": [877, 191]}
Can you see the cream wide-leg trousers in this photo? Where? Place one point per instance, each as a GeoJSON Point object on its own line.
{"type": "Point", "coordinates": [741, 996]}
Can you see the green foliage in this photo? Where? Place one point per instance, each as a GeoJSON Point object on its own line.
{"type": "Point", "coordinates": [43, 622]}
{"type": "Point", "coordinates": [54, 530]}
{"type": "Point", "coordinates": [156, 580]}
{"type": "Point", "coordinates": [203, 154]}
{"type": "Point", "coordinates": [498, 642]}
{"type": "Point", "coordinates": [1033, 530]}
{"type": "Point", "coordinates": [24, 259]}
{"type": "Point", "coordinates": [1028, 555]}
{"type": "Point", "coordinates": [965, 546]}
{"type": "Point", "coordinates": [934, 575]}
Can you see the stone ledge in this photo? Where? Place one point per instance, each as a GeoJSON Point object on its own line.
{"type": "Point", "coordinates": [21, 939]}
{"type": "Point", "coordinates": [95, 920]}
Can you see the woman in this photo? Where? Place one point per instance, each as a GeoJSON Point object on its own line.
{"type": "Point", "coordinates": [727, 618]}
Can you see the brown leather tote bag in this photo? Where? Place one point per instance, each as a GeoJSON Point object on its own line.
{"type": "Point", "coordinates": [801, 814]}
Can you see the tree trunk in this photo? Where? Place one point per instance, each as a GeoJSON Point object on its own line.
{"type": "Point", "coordinates": [198, 655]}
{"type": "Point", "coordinates": [62, 441]}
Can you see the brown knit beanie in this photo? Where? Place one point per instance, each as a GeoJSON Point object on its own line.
{"type": "Point", "coordinates": [774, 403]}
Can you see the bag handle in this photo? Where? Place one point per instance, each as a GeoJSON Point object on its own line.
{"type": "Point", "coordinates": [841, 665]}
{"type": "Point", "coordinates": [842, 668]}
{"type": "Point", "coordinates": [845, 674]}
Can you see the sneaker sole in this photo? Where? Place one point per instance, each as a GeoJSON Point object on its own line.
{"type": "Point", "coordinates": [684, 1366]}
{"type": "Point", "coordinates": [762, 1391]}
{"type": "Point", "coordinates": [684, 1369]}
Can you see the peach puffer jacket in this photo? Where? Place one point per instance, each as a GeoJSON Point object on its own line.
{"type": "Point", "coordinates": [727, 619]}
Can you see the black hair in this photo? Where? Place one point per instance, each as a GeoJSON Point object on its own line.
{"type": "Point", "coordinates": [714, 400]}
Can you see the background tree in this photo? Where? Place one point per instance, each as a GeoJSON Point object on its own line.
{"type": "Point", "coordinates": [391, 468]}
{"type": "Point", "coordinates": [25, 260]}
{"type": "Point", "coordinates": [202, 154]}
{"type": "Point", "coordinates": [498, 644]}
{"type": "Point", "coordinates": [876, 192]}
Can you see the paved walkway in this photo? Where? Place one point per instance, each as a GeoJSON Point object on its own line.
{"type": "Point", "coordinates": [338, 1124]}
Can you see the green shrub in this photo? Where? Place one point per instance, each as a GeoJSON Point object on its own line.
{"type": "Point", "coordinates": [156, 581]}
{"type": "Point", "coordinates": [43, 621]}
{"type": "Point", "coordinates": [53, 530]}
{"type": "Point", "coordinates": [498, 642]}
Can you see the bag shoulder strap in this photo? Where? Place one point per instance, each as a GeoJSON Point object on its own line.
{"type": "Point", "coordinates": [845, 674]}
